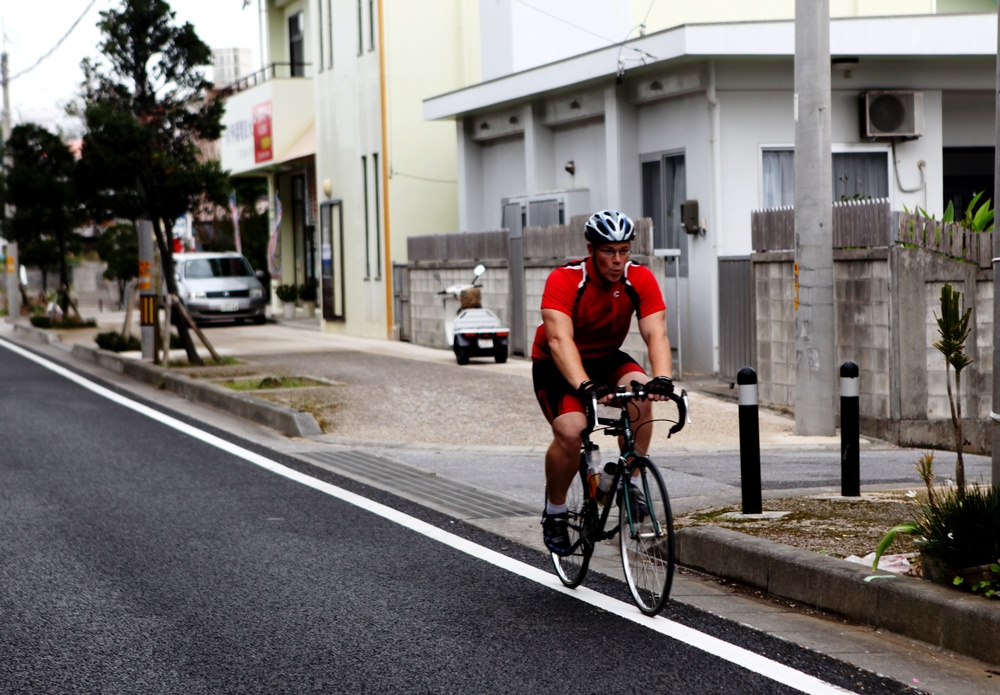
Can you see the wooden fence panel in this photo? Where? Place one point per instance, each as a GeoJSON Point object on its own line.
{"type": "Point", "coordinates": [950, 239]}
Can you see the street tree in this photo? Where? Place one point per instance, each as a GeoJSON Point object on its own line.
{"type": "Point", "coordinates": [147, 109]}
{"type": "Point", "coordinates": [118, 247]}
{"type": "Point", "coordinates": [40, 188]}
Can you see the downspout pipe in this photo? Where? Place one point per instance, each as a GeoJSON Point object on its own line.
{"type": "Point", "coordinates": [715, 225]}
{"type": "Point", "coordinates": [389, 318]}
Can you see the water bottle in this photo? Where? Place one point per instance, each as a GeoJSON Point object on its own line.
{"type": "Point", "coordinates": [594, 468]}
{"type": "Point", "coordinates": [604, 487]}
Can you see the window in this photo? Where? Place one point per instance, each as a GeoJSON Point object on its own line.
{"type": "Point", "coordinates": [967, 171]}
{"type": "Point", "coordinates": [296, 45]}
{"type": "Point", "coordinates": [322, 37]}
{"type": "Point", "coordinates": [860, 175]}
{"type": "Point", "coordinates": [856, 175]}
{"type": "Point", "coordinates": [778, 174]}
{"type": "Point", "coordinates": [664, 188]}
{"type": "Point", "coordinates": [329, 21]}
{"type": "Point", "coordinates": [364, 183]}
{"type": "Point", "coordinates": [361, 29]}
{"type": "Point", "coordinates": [378, 216]}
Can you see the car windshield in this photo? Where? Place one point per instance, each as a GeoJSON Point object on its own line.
{"type": "Point", "coordinates": [204, 268]}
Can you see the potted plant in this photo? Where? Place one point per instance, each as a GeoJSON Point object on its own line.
{"type": "Point", "coordinates": [287, 294]}
{"type": "Point", "coordinates": [307, 293]}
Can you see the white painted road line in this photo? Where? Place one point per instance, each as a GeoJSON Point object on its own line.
{"type": "Point", "coordinates": [724, 650]}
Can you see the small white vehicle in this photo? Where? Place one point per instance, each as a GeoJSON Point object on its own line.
{"type": "Point", "coordinates": [475, 331]}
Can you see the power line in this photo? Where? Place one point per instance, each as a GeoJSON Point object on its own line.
{"type": "Point", "coordinates": [560, 19]}
{"type": "Point", "coordinates": [54, 48]}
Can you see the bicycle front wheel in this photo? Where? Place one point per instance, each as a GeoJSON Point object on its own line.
{"type": "Point", "coordinates": [646, 537]}
{"type": "Point", "coordinates": [572, 568]}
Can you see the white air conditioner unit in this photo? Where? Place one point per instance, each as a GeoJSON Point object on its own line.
{"type": "Point", "coordinates": [892, 114]}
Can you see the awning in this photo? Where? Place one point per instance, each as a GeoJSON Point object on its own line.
{"type": "Point", "coordinates": [305, 146]}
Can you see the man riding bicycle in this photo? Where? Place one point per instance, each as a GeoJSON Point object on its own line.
{"type": "Point", "coordinates": [587, 309]}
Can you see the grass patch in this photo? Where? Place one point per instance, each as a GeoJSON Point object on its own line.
{"type": "Point", "coordinates": [270, 382]}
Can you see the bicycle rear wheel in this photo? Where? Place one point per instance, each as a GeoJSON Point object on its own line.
{"type": "Point", "coordinates": [647, 539]}
{"type": "Point", "coordinates": [572, 568]}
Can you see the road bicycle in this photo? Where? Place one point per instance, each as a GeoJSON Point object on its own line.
{"type": "Point", "coordinates": [645, 525]}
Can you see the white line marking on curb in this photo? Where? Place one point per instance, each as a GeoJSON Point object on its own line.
{"type": "Point", "coordinates": [737, 655]}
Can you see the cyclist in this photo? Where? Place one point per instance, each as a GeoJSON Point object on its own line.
{"type": "Point", "coordinates": [587, 309]}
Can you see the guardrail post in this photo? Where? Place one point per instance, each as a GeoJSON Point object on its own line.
{"type": "Point", "coordinates": [746, 380]}
{"type": "Point", "coordinates": [850, 431]}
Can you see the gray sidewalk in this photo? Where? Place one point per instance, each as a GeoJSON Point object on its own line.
{"type": "Point", "coordinates": [481, 452]}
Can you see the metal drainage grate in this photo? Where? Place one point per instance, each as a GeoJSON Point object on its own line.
{"type": "Point", "coordinates": [460, 499]}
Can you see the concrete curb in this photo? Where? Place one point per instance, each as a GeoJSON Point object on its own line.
{"type": "Point", "coordinates": [905, 605]}
{"type": "Point", "coordinates": [281, 418]}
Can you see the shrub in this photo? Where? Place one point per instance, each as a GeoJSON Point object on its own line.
{"type": "Point", "coordinates": [287, 293]}
{"type": "Point", "coordinates": [962, 530]}
{"type": "Point", "coordinates": [308, 290]}
{"type": "Point", "coordinates": [67, 322]}
{"type": "Point", "coordinates": [116, 342]}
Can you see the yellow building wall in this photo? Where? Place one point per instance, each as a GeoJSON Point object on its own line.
{"type": "Point", "coordinates": [430, 47]}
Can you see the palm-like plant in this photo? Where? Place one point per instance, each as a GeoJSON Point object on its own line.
{"type": "Point", "coordinates": [953, 327]}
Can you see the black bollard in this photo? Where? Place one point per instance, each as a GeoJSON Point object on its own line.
{"type": "Point", "coordinates": [850, 431]}
{"type": "Point", "coordinates": [746, 379]}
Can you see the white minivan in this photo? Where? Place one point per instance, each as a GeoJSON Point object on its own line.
{"type": "Point", "coordinates": [219, 287]}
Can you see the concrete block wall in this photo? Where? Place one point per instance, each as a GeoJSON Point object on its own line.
{"type": "Point", "coordinates": [774, 330]}
{"type": "Point", "coordinates": [429, 310]}
{"type": "Point", "coordinates": [863, 332]}
{"type": "Point", "coordinates": [983, 332]}
{"type": "Point", "coordinates": [886, 303]}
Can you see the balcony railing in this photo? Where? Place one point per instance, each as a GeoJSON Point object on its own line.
{"type": "Point", "coordinates": [269, 72]}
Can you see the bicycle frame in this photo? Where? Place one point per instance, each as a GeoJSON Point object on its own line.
{"type": "Point", "coordinates": [621, 426]}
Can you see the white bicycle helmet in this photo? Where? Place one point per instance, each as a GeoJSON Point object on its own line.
{"type": "Point", "coordinates": [609, 226]}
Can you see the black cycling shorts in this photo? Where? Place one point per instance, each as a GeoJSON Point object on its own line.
{"type": "Point", "coordinates": [557, 396]}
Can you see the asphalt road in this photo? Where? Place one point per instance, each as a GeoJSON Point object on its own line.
{"type": "Point", "coordinates": [142, 554]}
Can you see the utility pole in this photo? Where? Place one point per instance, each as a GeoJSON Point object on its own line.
{"type": "Point", "coordinates": [995, 414]}
{"type": "Point", "coordinates": [5, 82]}
{"type": "Point", "coordinates": [815, 351]}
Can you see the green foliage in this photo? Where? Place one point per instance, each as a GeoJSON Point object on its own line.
{"type": "Point", "coordinates": [957, 530]}
{"type": "Point", "coordinates": [287, 293]}
{"type": "Point", "coordinates": [925, 469]}
{"type": "Point", "coordinates": [988, 587]}
{"type": "Point", "coordinates": [146, 108]}
{"type": "Point", "coordinates": [977, 219]}
{"type": "Point", "coordinates": [116, 342]}
{"type": "Point", "coordinates": [42, 321]}
{"type": "Point", "coordinates": [39, 185]}
{"type": "Point", "coordinates": [953, 327]}
{"type": "Point", "coordinates": [118, 247]}
{"type": "Point", "coordinates": [962, 530]}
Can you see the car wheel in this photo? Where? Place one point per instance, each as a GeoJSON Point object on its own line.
{"type": "Point", "coordinates": [500, 354]}
{"type": "Point", "coordinates": [461, 353]}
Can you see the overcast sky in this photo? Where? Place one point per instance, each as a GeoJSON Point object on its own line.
{"type": "Point", "coordinates": [32, 28]}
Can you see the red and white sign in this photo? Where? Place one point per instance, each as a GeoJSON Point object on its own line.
{"type": "Point", "coordinates": [263, 133]}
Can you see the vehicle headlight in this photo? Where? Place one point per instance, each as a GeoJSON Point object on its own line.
{"type": "Point", "coordinates": [256, 292]}
{"type": "Point", "coordinates": [198, 294]}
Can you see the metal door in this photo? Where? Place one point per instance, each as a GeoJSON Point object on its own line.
{"type": "Point", "coordinates": [332, 259]}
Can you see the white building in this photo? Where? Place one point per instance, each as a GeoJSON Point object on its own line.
{"type": "Point", "coordinates": [231, 64]}
{"type": "Point", "coordinates": [705, 112]}
{"type": "Point", "coordinates": [336, 125]}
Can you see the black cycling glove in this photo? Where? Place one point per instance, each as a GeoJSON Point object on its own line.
{"type": "Point", "coordinates": [592, 389]}
{"type": "Point", "coordinates": [660, 386]}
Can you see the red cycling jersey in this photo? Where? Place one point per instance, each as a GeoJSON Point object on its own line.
{"type": "Point", "coordinates": [601, 311]}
